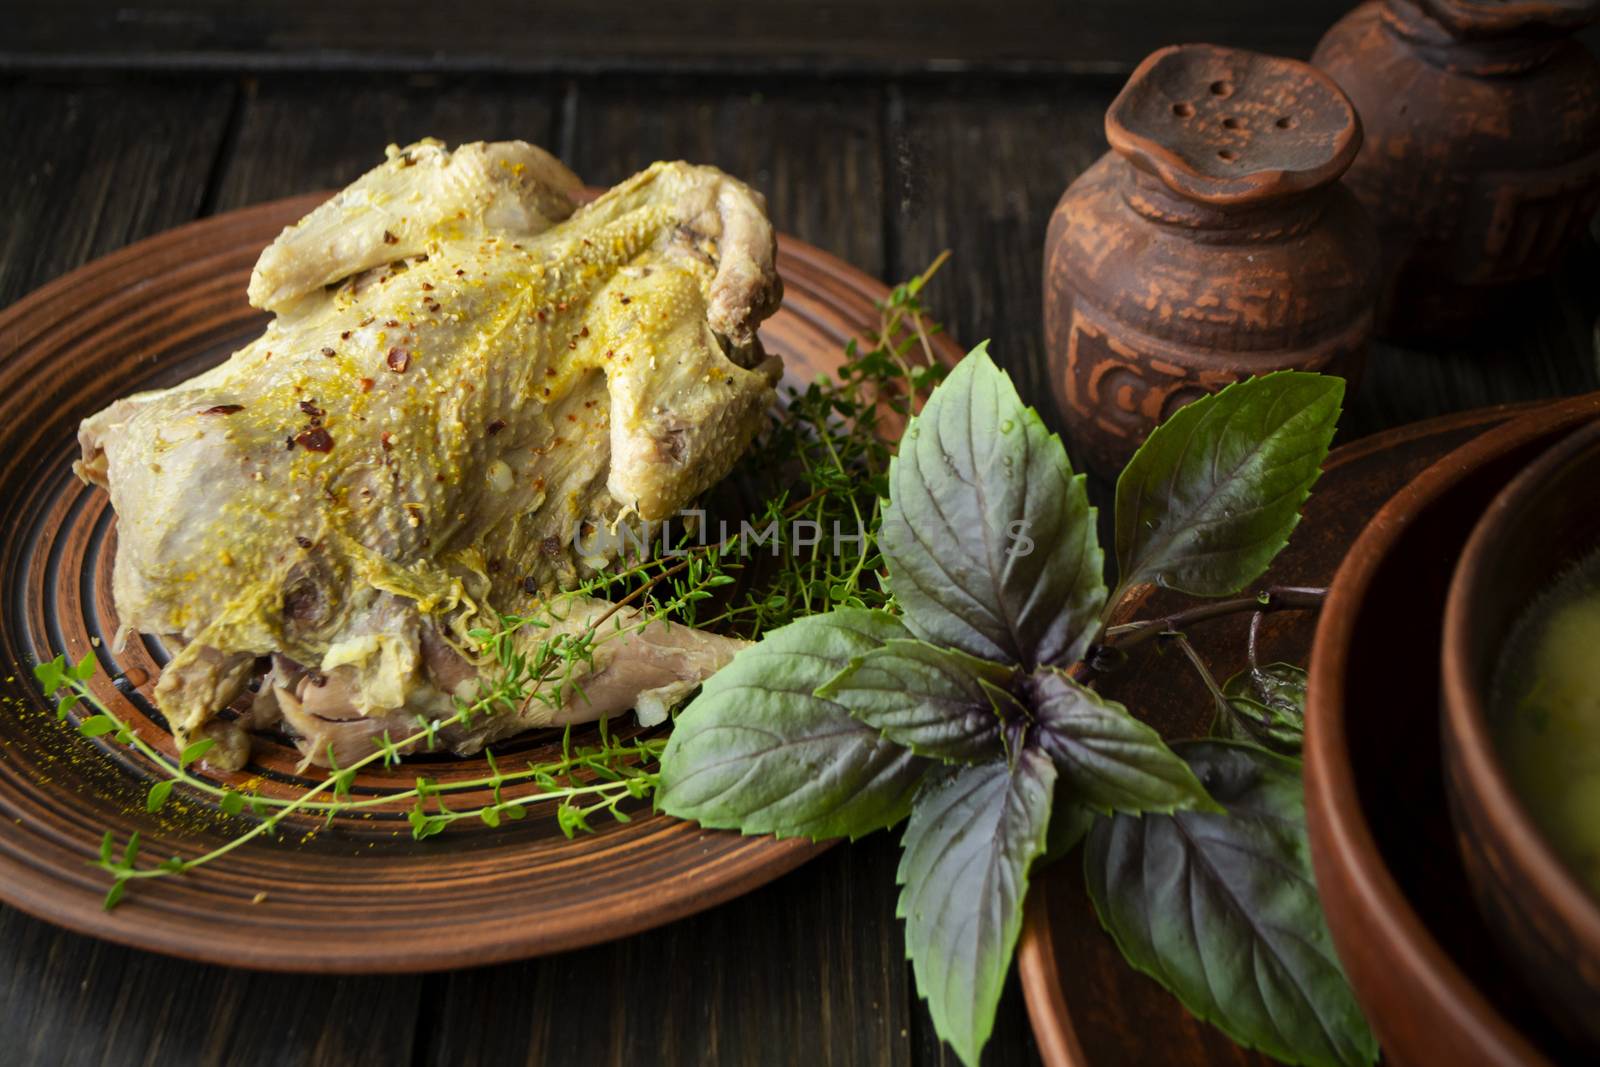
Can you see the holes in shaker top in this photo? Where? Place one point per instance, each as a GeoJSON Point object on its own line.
{"type": "Point", "coordinates": [1231, 123]}
{"type": "Point", "coordinates": [1183, 111]}
{"type": "Point", "coordinates": [1227, 155]}
{"type": "Point", "coordinates": [1287, 122]}
{"type": "Point", "coordinates": [1223, 89]}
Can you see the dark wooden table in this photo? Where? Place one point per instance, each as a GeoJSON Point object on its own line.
{"type": "Point", "coordinates": [119, 125]}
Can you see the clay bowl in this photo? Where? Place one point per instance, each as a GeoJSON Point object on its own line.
{"type": "Point", "coordinates": [1541, 524]}
{"type": "Point", "coordinates": [1394, 889]}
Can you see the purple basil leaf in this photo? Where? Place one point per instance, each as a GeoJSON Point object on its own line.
{"type": "Point", "coordinates": [974, 832]}
{"type": "Point", "coordinates": [1223, 910]}
{"type": "Point", "coordinates": [929, 699]}
{"type": "Point", "coordinates": [989, 538]}
{"type": "Point", "coordinates": [1108, 759]}
{"type": "Point", "coordinates": [758, 751]}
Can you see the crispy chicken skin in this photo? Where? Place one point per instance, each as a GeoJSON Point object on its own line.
{"type": "Point", "coordinates": [467, 377]}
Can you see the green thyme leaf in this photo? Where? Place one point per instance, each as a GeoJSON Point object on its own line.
{"type": "Point", "coordinates": [156, 799]}
{"type": "Point", "coordinates": [1108, 759]}
{"type": "Point", "coordinates": [194, 751]}
{"type": "Point", "coordinates": [97, 725]}
{"type": "Point", "coordinates": [1223, 910]}
{"type": "Point", "coordinates": [51, 674]}
{"type": "Point", "coordinates": [758, 751]}
{"type": "Point", "coordinates": [232, 803]}
{"type": "Point", "coordinates": [114, 894]}
{"type": "Point", "coordinates": [107, 843]}
{"type": "Point", "coordinates": [989, 538]}
{"type": "Point", "coordinates": [929, 699]}
{"type": "Point", "coordinates": [972, 836]}
{"type": "Point", "coordinates": [1213, 494]}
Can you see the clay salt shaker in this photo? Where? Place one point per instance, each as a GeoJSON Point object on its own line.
{"type": "Point", "coordinates": [1482, 157]}
{"type": "Point", "coordinates": [1214, 243]}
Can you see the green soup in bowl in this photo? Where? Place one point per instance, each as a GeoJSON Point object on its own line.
{"type": "Point", "coordinates": [1521, 726]}
{"type": "Point", "coordinates": [1544, 713]}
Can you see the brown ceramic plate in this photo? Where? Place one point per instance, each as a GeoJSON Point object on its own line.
{"type": "Point", "coordinates": [1087, 1006]}
{"type": "Point", "coordinates": [360, 896]}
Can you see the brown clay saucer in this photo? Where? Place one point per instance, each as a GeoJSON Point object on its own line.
{"type": "Point", "coordinates": [362, 896]}
{"type": "Point", "coordinates": [1087, 1006]}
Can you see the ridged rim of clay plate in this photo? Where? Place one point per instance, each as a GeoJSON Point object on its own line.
{"type": "Point", "coordinates": [1350, 868]}
{"type": "Point", "coordinates": [149, 315]}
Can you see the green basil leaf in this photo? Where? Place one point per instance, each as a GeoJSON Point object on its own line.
{"type": "Point", "coordinates": [1214, 492]}
{"type": "Point", "coordinates": [1223, 911]}
{"type": "Point", "coordinates": [1268, 706]}
{"type": "Point", "coordinates": [989, 539]}
{"type": "Point", "coordinates": [758, 751]}
{"type": "Point", "coordinates": [1108, 759]}
{"type": "Point", "coordinates": [972, 836]}
{"type": "Point", "coordinates": [929, 699]}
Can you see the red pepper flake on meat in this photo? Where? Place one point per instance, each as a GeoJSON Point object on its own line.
{"type": "Point", "coordinates": [399, 359]}
{"type": "Point", "coordinates": [391, 324]}
{"type": "Point", "coordinates": [310, 408]}
{"type": "Point", "coordinates": [427, 287]}
{"type": "Point", "coordinates": [386, 439]}
{"type": "Point", "coordinates": [330, 353]}
{"type": "Point", "coordinates": [366, 385]}
{"type": "Point", "coordinates": [366, 321]}
{"type": "Point", "coordinates": [303, 542]}
{"type": "Point", "coordinates": [496, 426]}
{"type": "Point", "coordinates": [223, 409]}
{"type": "Point", "coordinates": [389, 238]}
{"type": "Point", "coordinates": [345, 336]}
{"type": "Point", "coordinates": [316, 439]}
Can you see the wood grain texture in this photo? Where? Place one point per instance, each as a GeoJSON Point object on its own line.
{"type": "Point", "coordinates": [294, 136]}
{"type": "Point", "coordinates": [89, 168]}
{"type": "Point", "coordinates": [749, 35]}
{"type": "Point", "coordinates": [977, 169]}
{"type": "Point", "coordinates": [69, 999]}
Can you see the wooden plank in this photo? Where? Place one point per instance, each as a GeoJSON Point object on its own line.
{"type": "Point", "coordinates": [805, 972]}
{"type": "Point", "coordinates": [608, 35]}
{"type": "Point", "coordinates": [299, 136]}
{"type": "Point", "coordinates": [809, 970]}
{"type": "Point", "coordinates": [977, 169]}
{"type": "Point", "coordinates": [1549, 348]}
{"type": "Point", "coordinates": [70, 999]}
{"type": "Point", "coordinates": [815, 152]}
{"type": "Point", "coordinates": [90, 167]}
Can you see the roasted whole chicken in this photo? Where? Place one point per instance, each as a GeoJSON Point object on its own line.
{"type": "Point", "coordinates": [468, 376]}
